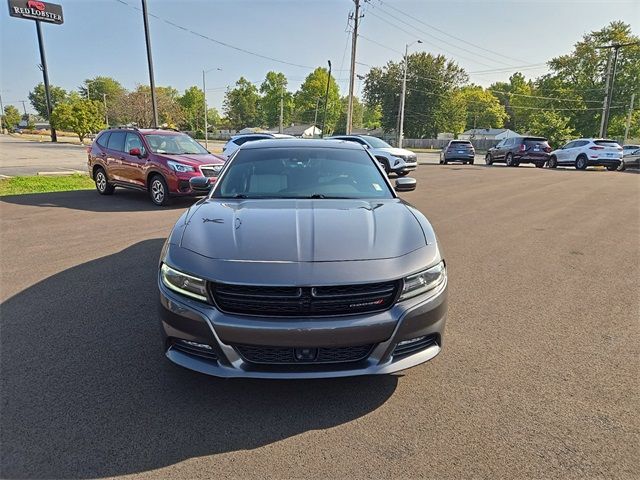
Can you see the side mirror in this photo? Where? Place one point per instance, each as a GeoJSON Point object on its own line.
{"type": "Point", "coordinates": [135, 152]}
{"type": "Point", "coordinates": [406, 184]}
{"type": "Point", "coordinates": [637, 152]}
{"type": "Point", "coordinates": [200, 184]}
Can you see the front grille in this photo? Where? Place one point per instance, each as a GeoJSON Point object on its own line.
{"type": "Point", "coordinates": [192, 348]}
{"type": "Point", "coordinates": [407, 349]}
{"type": "Point", "coordinates": [305, 301]}
{"type": "Point", "coordinates": [286, 355]}
{"type": "Point", "coordinates": [210, 170]}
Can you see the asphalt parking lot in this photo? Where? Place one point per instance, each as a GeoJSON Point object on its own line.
{"type": "Point", "coordinates": [538, 377]}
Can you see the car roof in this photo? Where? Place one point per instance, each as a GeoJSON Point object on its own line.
{"type": "Point", "coordinates": [265, 134]}
{"type": "Point", "coordinates": [301, 143]}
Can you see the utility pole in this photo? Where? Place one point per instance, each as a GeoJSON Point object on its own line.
{"type": "Point", "coordinates": [326, 99]}
{"type": "Point", "coordinates": [404, 92]}
{"type": "Point", "coordinates": [152, 82]}
{"type": "Point", "coordinates": [45, 75]}
{"type": "Point", "coordinates": [1, 114]}
{"type": "Point", "coordinates": [281, 107]}
{"type": "Point", "coordinates": [206, 114]}
{"type": "Point", "coordinates": [626, 129]}
{"type": "Point", "coordinates": [24, 107]}
{"type": "Point", "coordinates": [605, 102]}
{"type": "Point", "coordinates": [352, 75]}
{"type": "Point", "coordinates": [106, 115]}
{"type": "Point", "coordinates": [315, 118]}
{"type": "Point", "coordinates": [611, 78]}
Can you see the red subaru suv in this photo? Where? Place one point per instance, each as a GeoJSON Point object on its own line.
{"type": "Point", "coordinates": [156, 161]}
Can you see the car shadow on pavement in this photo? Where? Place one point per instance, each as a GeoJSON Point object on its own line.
{"type": "Point", "coordinates": [86, 391]}
{"type": "Point", "coordinates": [122, 200]}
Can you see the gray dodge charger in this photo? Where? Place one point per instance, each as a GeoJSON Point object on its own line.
{"type": "Point", "coordinates": [302, 262]}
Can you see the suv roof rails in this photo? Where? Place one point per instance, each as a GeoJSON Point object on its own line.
{"type": "Point", "coordinates": [123, 127]}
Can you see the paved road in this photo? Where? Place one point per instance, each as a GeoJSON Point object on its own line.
{"type": "Point", "coordinates": [538, 378]}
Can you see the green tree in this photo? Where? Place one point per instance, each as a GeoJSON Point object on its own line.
{"type": "Point", "coordinates": [357, 115]}
{"type": "Point", "coordinates": [553, 126]}
{"type": "Point", "coordinates": [431, 80]}
{"type": "Point", "coordinates": [483, 109]}
{"type": "Point", "coordinates": [517, 98]}
{"type": "Point", "coordinates": [241, 104]}
{"type": "Point", "coordinates": [274, 87]}
{"type": "Point", "coordinates": [135, 107]}
{"type": "Point", "coordinates": [11, 117]}
{"type": "Point", "coordinates": [106, 90]}
{"type": "Point", "coordinates": [213, 117]}
{"type": "Point", "coordinates": [192, 103]}
{"type": "Point", "coordinates": [312, 94]}
{"type": "Point", "coordinates": [78, 115]}
{"type": "Point", "coordinates": [372, 116]}
{"type": "Point", "coordinates": [38, 98]}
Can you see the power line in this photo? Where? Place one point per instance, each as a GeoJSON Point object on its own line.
{"type": "Point", "coordinates": [219, 42]}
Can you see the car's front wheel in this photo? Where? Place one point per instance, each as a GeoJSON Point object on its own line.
{"type": "Point", "coordinates": [402, 174]}
{"type": "Point", "coordinates": [613, 168]}
{"type": "Point", "coordinates": [159, 191]}
{"type": "Point", "coordinates": [488, 159]}
{"type": "Point", "coordinates": [102, 184]}
{"type": "Point", "coordinates": [553, 162]}
{"type": "Point", "coordinates": [622, 166]}
{"type": "Point", "coordinates": [511, 161]}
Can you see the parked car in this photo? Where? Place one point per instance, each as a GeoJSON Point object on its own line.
{"type": "Point", "coordinates": [458, 151]}
{"type": "Point", "coordinates": [585, 152]}
{"type": "Point", "coordinates": [394, 160]}
{"type": "Point", "coordinates": [629, 149]}
{"type": "Point", "coordinates": [156, 161]}
{"type": "Point", "coordinates": [516, 150]}
{"type": "Point", "coordinates": [302, 262]}
{"type": "Point", "coordinates": [630, 160]}
{"type": "Point", "coordinates": [237, 140]}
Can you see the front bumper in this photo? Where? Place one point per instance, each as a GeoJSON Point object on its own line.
{"type": "Point", "coordinates": [178, 183]}
{"type": "Point", "coordinates": [186, 319]}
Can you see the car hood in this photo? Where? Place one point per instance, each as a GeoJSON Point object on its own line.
{"type": "Point", "coordinates": [398, 152]}
{"type": "Point", "coordinates": [195, 160]}
{"type": "Point", "coordinates": [292, 230]}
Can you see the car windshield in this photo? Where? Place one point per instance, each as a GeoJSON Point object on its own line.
{"type": "Point", "coordinates": [313, 172]}
{"type": "Point", "coordinates": [172, 144]}
{"type": "Point", "coordinates": [375, 142]}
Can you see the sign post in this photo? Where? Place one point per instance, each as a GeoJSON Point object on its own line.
{"type": "Point", "coordinates": [40, 12]}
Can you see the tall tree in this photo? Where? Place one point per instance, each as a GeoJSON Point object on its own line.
{"type": "Point", "coordinates": [431, 80]}
{"type": "Point", "coordinates": [372, 116]}
{"type": "Point", "coordinates": [192, 103]}
{"type": "Point", "coordinates": [78, 115]}
{"type": "Point", "coordinates": [241, 104]}
{"type": "Point", "coordinates": [312, 94]}
{"type": "Point", "coordinates": [272, 89]}
{"type": "Point", "coordinates": [107, 90]}
{"type": "Point", "coordinates": [357, 116]}
{"type": "Point", "coordinates": [11, 117]}
{"type": "Point", "coordinates": [38, 98]}
{"type": "Point", "coordinates": [483, 109]}
{"type": "Point", "coordinates": [135, 107]}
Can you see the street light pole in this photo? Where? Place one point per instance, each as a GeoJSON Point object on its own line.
{"type": "Point", "coordinates": [352, 74]}
{"type": "Point", "coordinates": [206, 118]}
{"type": "Point", "coordinates": [326, 99]}
{"type": "Point", "coordinates": [404, 91]}
{"type": "Point", "coordinates": [45, 76]}
{"type": "Point", "coordinates": [106, 115]}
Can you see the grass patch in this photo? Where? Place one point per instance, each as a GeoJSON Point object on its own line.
{"type": "Point", "coordinates": [42, 184]}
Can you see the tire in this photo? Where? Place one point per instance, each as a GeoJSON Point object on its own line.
{"type": "Point", "coordinates": [553, 162]}
{"type": "Point", "coordinates": [159, 191]}
{"type": "Point", "coordinates": [622, 166]}
{"type": "Point", "coordinates": [402, 174]}
{"type": "Point", "coordinates": [385, 165]}
{"type": "Point", "coordinates": [471, 162]}
{"type": "Point", "coordinates": [510, 161]}
{"type": "Point", "coordinates": [444, 162]}
{"type": "Point", "coordinates": [581, 162]}
{"type": "Point", "coordinates": [488, 160]}
{"type": "Point", "coordinates": [612, 168]}
{"type": "Point", "coordinates": [102, 184]}
{"type": "Point", "coordinates": [539, 165]}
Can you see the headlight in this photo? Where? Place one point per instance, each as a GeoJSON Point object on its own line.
{"type": "Point", "coordinates": [217, 169]}
{"type": "Point", "coordinates": [424, 281]}
{"type": "Point", "coordinates": [180, 167]}
{"type": "Point", "coordinates": [182, 283]}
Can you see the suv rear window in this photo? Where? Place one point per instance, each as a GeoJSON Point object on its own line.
{"type": "Point", "coordinates": [606, 143]}
{"type": "Point", "coordinates": [103, 139]}
{"type": "Point", "coordinates": [460, 142]}
{"type": "Point", "coordinates": [535, 141]}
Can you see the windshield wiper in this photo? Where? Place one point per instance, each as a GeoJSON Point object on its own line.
{"type": "Point", "coordinates": [320, 195]}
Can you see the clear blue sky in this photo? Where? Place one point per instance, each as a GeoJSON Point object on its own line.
{"type": "Point", "coordinates": [106, 37]}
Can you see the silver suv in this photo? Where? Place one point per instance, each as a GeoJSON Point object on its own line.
{"type": "Point", "coordinates": [394, 160]}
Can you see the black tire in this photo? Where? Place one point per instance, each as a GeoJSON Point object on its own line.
{"type": "Point", "coordinates": [471, 162]}
{"type": "Point", "coordinates": [385, 165]}
{"type": "Point", "coordinates": [510, 161]}
{"type": "Point", "coordinates": [581, 162]}
{"type": "Point", "coordinates": [488, 159]}
{"type": "Point", "coordinates": [402, 174]}
{"type": "Point", "coordinates": [622, 166]}
{"type": "Point", "coordinates": [102, 184]}
{"type": "Point", "coordinates": [553, 162]}
{"type": "Point", "coordinates": [539, 165]}
{"type": "Point", "coordinates": [159, 191]}
{"type": "Point", "coordinates": [612, 168]}
{"type": "Point", "coordinates": [444, 162]}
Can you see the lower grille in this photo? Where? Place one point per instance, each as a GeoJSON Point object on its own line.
{"type": "Point", "coordinates": [287, 355]}
{"type": "Point", "coordinates": [305, 301]}
{"type": "Point", "coordinates": [210, 170]}
{"type": "Point", "coordinates": [193, 348]}
{"type": "Point", "coordinates": [413, 347]}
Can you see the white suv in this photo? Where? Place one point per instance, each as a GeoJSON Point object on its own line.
{"type": "Point", "coordinates": [396, 160]}
{"type": "Point", "coordinates": [237, 140]}
{"type": "Point", "coordinates": [586, 152]}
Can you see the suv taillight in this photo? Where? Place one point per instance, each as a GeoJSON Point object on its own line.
{"type": "Point", "coordinates": [596, 147]}
{"type": "Point", "coordinates": [547, 149]}
{"type": "Point", "coordinates": [523, 147]}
